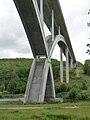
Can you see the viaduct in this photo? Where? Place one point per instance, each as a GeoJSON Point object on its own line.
{"type": "Point", "coordinates": [34, 14]}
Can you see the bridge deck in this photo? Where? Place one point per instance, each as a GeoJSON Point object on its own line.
{"type": "Point", "coordinates": [32, 25]}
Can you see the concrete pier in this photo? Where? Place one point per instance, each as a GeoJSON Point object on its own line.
{"type": "Point", "coordinates": [61, 65]}
{"type": "Point", "coordinates": [71, 63]}
{"type": "Point", "coordinates": [67, 66]}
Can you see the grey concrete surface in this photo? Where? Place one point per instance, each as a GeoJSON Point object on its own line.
{"type": "Point", "coordinates": [61, 65]}
{"type": "Point", "coordinates": [40, 85]}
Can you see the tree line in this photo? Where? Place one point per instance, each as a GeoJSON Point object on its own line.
{"type": "Point", "coordinates": [14, 73]}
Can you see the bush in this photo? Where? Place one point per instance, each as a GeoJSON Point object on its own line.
{"type": "Point", "coordinates": [57, 89]}
{"type": "Point", "coordinates": [82, 95]}
{"type": "Point", "coordinates": [84, 85]}
{"type": "Point", "coordinates": [61, 88]}
{"type": "Point", "coordinates": [12, 86]}
{"type": "Point", "coordinates": [72, 74]}
{"type": "Point", "coordinates": [2, 88]}
{"type": "Point", "coordinates": [73, 93]}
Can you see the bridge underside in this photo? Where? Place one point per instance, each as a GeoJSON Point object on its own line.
{"type": "Point", "coordinates": [32, 26]}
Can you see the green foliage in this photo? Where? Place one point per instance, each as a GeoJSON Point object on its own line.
{"type": "Point", "coordinates": [12, 87]}
{"type": "Point", "coordinates": [52, 101]}
{"type": "Point", "coordinates": [14, 74]}
{"type": "Point", "coordinates": [72, 74]}
{"type": "Point", "coordinates": [50, 116]}
{"type": "Point", "coordinates": [61, 88]}
{"type": "Point", "coordinates": [2, 87]}
{"type": "Point", "coordinates": [73, 93]}
{"type": "Point", "coordinates": [56, 69]}
{"type": "Point", "coordinates": [57, 89]}
{"type": "Point", "coordinates": [82, 95]}
{"type": "Point", "coordinates": [87, 67]}
{"type": "Point", "coordinates": [84, 85]}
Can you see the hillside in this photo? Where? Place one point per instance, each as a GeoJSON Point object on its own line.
{"type": "Point", "coordinates": [14, 75]}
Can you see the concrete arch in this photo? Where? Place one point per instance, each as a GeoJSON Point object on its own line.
{"type": "Point", "coordinates": [59, 39]}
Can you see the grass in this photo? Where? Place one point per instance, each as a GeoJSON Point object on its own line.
{"type": "Point", "coordinates": [60, 111]}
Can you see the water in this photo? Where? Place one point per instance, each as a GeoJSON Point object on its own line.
{"type": "Point", "coordinates": [11, 99]}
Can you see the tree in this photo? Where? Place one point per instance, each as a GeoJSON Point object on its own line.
{"type": "Point", "coordinates": [88, 50]}
{"type": "Point", "coordinates": [88, 45]}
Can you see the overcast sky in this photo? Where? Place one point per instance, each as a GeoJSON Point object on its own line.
{"type": "Point", "coordinates": [13, 40]}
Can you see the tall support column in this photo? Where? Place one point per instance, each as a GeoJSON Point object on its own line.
{"type": "Point", "coordinates": [61, 65]}
{"type": "Point", "coordinates": [59, 30]}
{"type": "Point", "coordinates": [67, 66]}
{"type": "Point", "coordinates": [71, 63]}
{"type": "Point", "coordinates": [41, 11]}
{"type": "Point", "coordinates": [52, 25]}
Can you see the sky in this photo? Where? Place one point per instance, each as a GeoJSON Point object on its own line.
{"type": "Point", "coordinates": [13, 39]}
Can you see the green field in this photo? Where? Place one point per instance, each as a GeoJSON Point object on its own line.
{"type": "Point", "coordinates": [60, 111]}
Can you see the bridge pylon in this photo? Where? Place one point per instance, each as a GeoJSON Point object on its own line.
{"type": "Point", "coordinates": [40, 84]}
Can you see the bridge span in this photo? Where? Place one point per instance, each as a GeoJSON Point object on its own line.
{"type": "Point", "coordinates": [33, 14]}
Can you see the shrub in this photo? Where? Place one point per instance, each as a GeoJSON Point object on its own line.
{"type": "Point", "coordinates": [84, 85]}
{"type": "Point", "coordinates": [61, 88]}
{"type": "Point", "coordinates": [72, 74]}
{"type": "Point", "coordinates": [12, 86]}
{"type": "Point", "coordinates": [2, 88]}
{"type": "Point", "coordinates": [69, 88]}
{"type": "Point", "coordinates": [73, 93]}
{"type": "Point", "coordinates": [57, 89]}
{"type": "Point", "coordinates": [82, 95]}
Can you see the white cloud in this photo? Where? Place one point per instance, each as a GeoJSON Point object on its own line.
{"type": "Point", "coordinates": [13, 40]}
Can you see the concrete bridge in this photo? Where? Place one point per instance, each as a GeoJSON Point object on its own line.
{"type": "Point", "coordinates": [33, 14]}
